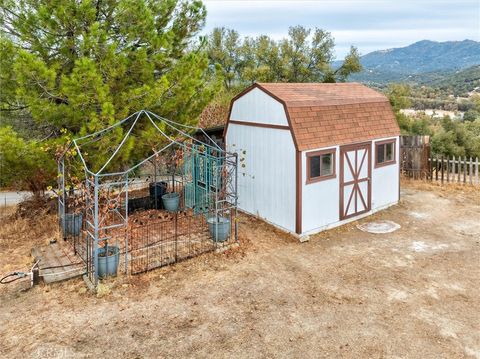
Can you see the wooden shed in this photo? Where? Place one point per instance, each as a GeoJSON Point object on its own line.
{"type": "Point", "coordinates": [313, 156]}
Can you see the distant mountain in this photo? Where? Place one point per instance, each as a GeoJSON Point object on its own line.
{"type": "Point", "coordinates": [421, 59]}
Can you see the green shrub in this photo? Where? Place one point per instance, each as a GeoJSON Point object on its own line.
{"type": "Point", "coordinates": [25, 164]}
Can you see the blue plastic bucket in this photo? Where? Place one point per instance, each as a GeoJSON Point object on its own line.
{"type": "Point", "coordinates": [171, 201]}
{"type": "Point", "coordinates": [108, 261]}
{"type": "Point", "coordinates": [219, 228]}
{"type": "Point", "coordinates": [73, 224]}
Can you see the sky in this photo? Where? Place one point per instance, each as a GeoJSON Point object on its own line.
{"type": "Point", "coordinates": [369, 25]}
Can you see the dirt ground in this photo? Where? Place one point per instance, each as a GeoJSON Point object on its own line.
{"type": "Point", "coordinates": [414, 293]}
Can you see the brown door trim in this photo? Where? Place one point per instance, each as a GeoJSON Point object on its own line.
{"type": "Point", "coordinates": [298, 201]}
{"type": "Point", "coordinates": [366, 160]}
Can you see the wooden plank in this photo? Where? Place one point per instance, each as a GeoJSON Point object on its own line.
{"type": "Point", "coordinates": [426, 156]}
{"type": "Point", "coordinates": [465, 169]}
{"type": "Point", "coordinates": [470, 171]}
{"type": "Point", "coordinates": [459, 167]}
{"type": "Point", "coordinates": [61, 273]}
{"type": "Point", "coordinates": [59, 277]}
{"type": "Point", "coordinates": [35, 275]}
{"type": "Point", "coordinates": [476, 171]}
{"type": "Point", "coordinates": [448, 168]}
{"type": "Point", "coordinates": [46, 259]}
{"type": "Point", "coordinates": [50, 260]}
{"type": "Point", "coordinates": [442, 169]}
{"type": "Point", "coordinates": [60, 255]}
{"type": "Point", "coordinates": [53, 256]}
{"type": "Point", "coordinates": [453, 169]}
{"type": "Point", "coordinates": [431, 167]}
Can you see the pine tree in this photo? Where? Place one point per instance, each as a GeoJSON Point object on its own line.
{"type": "Point", "coordinates": [82, 65]}
{"type": "Point", "coordinates": [306, 55]}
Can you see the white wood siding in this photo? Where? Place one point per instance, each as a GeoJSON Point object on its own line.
{"type": "Point", "coordinates": [385, 180]}
{"type": "Point", "coordinates": [266, 172]}
{"type": "Point", "coordinates": [321, 200]}
{"type": "Point", "coordinates": [257, 106]}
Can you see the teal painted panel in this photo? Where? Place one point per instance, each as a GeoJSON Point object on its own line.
{"type": "Point", "coordinates": [202, 173]}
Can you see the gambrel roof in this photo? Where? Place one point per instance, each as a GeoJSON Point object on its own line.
{"type": "Point", "coordinates": [322, 115]}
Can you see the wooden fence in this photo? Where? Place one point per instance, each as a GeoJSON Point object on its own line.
{"type": "Point", "coordinates": [456, 170]}
{"type": "Point", "coordinates": [417, 162]}
{"type": "Point", "coordinates": [414, 156]}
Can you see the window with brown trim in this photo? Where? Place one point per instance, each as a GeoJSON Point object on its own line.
{"type": "Point", "coordinates": [320, 165]}
{"type": "Point", "coordinates": [385, 153]}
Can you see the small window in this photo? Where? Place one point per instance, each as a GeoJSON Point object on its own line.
{"type": "Point", "coordinates": [320, 165]}
{"type": "Point", "coordinates": [385, 153]}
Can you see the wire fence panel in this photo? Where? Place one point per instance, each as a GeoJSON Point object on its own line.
{"type": "Point", "coordinates": [157, 244]}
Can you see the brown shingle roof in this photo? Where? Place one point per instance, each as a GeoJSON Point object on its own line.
{"type": "Point", "coordinates": [318, 94]}
{"type": "Point", "coordinates": [213, 115]}
{"type": "Point", "coordinates": [324, 115]}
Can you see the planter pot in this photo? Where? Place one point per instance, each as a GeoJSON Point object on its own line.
{"type": "Point", "coordinates": [73, 224]}
{"type": "Point", "coordinates": [157, 190]}
{"type": "Point", "coordinates": [108, 259]}
{"type": "Point", "coordinates": [171, 201]}
{"type": "Point", "coordinates": [219, 228]}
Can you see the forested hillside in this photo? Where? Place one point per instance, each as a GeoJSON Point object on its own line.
{"type": "Point", "coordinates": [423, 58]}
{"type": "Point", "coordinates": [459, 82]}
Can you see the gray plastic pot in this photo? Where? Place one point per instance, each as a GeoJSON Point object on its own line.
{"type": "Point", "coordinates": [73, 223]}
{"type": "Point", "coordinates": [171, 201]}
{"type": "Point", "coordinates": [108, 261]}
{"type": "Point", "coordinates": [219, 228]}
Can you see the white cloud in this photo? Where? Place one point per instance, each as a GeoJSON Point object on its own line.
{"type": "Point", "coordinates": [370, 25]}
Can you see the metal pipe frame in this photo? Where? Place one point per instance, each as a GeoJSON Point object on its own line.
{"type": "Point", "coordinates": [217, 164]}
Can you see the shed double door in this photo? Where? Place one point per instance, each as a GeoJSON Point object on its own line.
{"type": "Point", "coordinates": [355, 180]}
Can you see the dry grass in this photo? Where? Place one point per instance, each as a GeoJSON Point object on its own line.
{"type": "Point", "coordinates": [6, 212]}
{"type": "Point", "coordinates": [18, 235]}
{"type": "Point", "coordinates": [437, 187]}
{"type": "Point", "coordinates": [345, 293]}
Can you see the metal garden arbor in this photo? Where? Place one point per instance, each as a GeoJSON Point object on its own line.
{"type": "Point", "coordinates": [205, 175]}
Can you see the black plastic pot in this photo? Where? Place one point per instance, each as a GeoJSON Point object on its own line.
{"type": "Point", "coordinates": [157, 190]}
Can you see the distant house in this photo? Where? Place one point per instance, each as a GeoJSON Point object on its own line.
{"type": "Point", "coordinates": [314, 156]}
{"type": "Point", "coordinates": [433, 113]}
